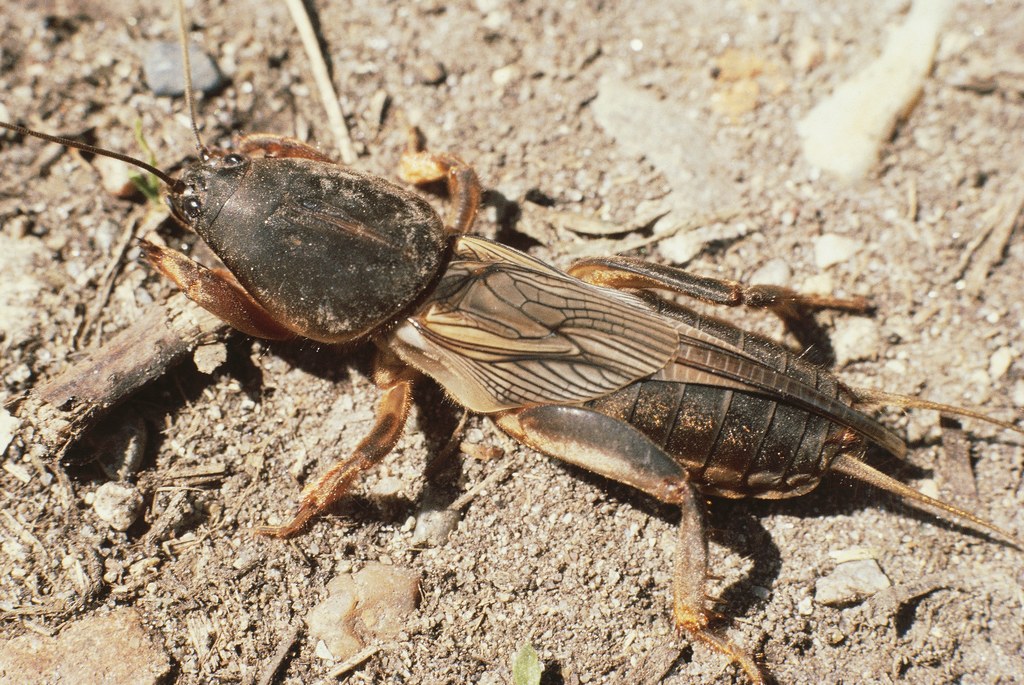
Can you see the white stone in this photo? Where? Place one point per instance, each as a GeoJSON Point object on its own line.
{"type": "Point", "coordinates": [845, 131]}
{"type": "Point", "coordinates": [856, 339]}
{"type": "Point", "coordinates": [118, 504]}
{"type": "Point", "coordinates": [850, 583]}
{"type": "Point", "coordinates": [374, 603]}
{"type": "Point", "coordinates": [1000, 362]}
{"type": "Point", "coordinates": [831, 248]}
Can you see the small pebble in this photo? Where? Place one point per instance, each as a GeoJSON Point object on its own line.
{"type": "Point", "coordinates": [487, 6]}
{"type": "Point", "coordinates": [806, 55]}
{"type": "Point", "coordinates": [503, 76]}
{"type": "Point", "coordinates": [115, 176]}
{"type": "Point", "coordinates": [850, 583]}
{"type": "Point", "coordinates": [433, 526]}
{"type": "Point", "coordinates": [431, 72]}
{"type": "Point", "coordinates": [387, 487]}
{"type": "Point", "coordinates": [856, 339]}
{"type": "Point", "coordinates": [928, 487]}
{"type": "Point", "coordinates": [830, 249]}
{"type": "Point", "coordinates": [818, 284]}
{"type": "Point", "coordinates": [323, 651]}
{"type": "Point", "coordinates": [118, 504]}
{"type": "Point", "coordinates": [1017, 396]}
{"type": "Point", "coordinates": [164, 72]}
{"type": "Point", "coordinates": [1000, 362]}
{"type": "Point", "coordinates": [208, 358]}
{"type": "Point", "coordinates": [363, 607]}
{"type": "Point", "coordinates": [9, 424]}
{"type": "Point", "coordinates": [773, 272]}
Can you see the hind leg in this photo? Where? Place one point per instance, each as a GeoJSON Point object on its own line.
{"type": "Point", "coordinates": [787, 304]}
{"type": "Point", "coordinates": [616, 450]}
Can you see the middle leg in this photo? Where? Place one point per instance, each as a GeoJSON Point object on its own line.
{"type": "Point", "coordinates": [795, 309]}
{"type": "Point", "coordinates": [392, 414]}
{"type": "Point", "coordinates": [419, 167]}
{"type": "Point", "coordinates": [787, 304]}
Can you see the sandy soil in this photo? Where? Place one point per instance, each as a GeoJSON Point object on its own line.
{"type": "Point", "coordinates": [547, 555]}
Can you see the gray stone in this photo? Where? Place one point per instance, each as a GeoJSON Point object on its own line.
{"type": "Point", "coordinates": [208, 358]}
{"type": "Point", "coordinates": [165, 74]}
{"type": "Point", "coordinates": [830, 249]}
{"type": "Point", "coordinates": [856, 339]}
{"type": "Point", "coordinates": [679, 146]}
{"type": "Point", "coordinates": [373, 603]}
{"type": "Point", "coordinates": [433, 526]}
{"type": "Point", "coordinates": [118, 504]}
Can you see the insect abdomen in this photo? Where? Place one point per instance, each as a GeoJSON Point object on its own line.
{"type": "Point", "coordinates": [733, 443]}
{"type": "Point", "coordinates": [736, 443]}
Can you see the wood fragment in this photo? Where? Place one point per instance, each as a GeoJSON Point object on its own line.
{"type": "Point", "coordinates": [706, 226]}
{"type": "Point", "coordinates": [881, 607]}
{"type": "Point", "coordinates": [991, 250]}
{"type": "Point", "coordinates": [56, 413]}
{"type": "Point", "coordinates": [656, 665]}
{"type": "Point", "coordinates": [269, 673]}
{"type": "Point", "coordinates": [354, 661]}
{"type": "Point", "coordinates": [587, 225]}
{"type": "Point", "coordinates": [955, 466]}
{"type": "Point", "coordinates": [913, 206]}
{"type": "Point", "coordinates": [87, 329]}
{"type": "Point", "coordinates": [493, 478]}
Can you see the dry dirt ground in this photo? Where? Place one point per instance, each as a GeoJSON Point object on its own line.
{"type": "Point", "coordinates": [544, 554]}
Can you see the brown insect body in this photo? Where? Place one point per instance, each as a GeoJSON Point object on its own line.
{"type": "Point", "coordinates": [732, 443]}
{"type": "Point", "coordinates": [736, 443]}
{"type": "Point", "coordinates": [626, 384]}
{"type": "Point", "coordinates": [588, 366]}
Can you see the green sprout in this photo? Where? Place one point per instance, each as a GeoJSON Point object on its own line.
{"type": "Point", "coordinates": [526, 666]}
{"type": "Point", "coordinates": [147, 183]}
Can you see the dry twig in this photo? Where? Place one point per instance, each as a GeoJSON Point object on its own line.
{"type": "Point", "coordinates": [57, 412]}
{"type": "Point", "coordinates": [323, 80]}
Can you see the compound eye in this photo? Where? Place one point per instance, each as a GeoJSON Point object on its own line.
{"type": "Point", "coordinates": [192, 207]}
{"type": "Point", "coordinates": [233, 159]}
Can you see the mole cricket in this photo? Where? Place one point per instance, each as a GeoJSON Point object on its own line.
{"type": "Point", "coordinates": [601, 366]}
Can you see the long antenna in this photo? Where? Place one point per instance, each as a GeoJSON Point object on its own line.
{"type": "Point", "coordinates": [67, 142]}
{"type": "Point", "coordinates": [85, 147]}
{"type": "Point", "coordinates": [187, 63]}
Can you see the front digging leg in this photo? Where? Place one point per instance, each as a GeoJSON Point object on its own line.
{"type": "Point", "coordinates": [616, 450]}
{"type": "Point", "coordinates": [270, 145]}
{"type": "Point", "coordinates": [216, 291]}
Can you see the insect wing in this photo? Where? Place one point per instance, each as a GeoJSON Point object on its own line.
{"type": "Point", "coordinates": [515, 332]}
